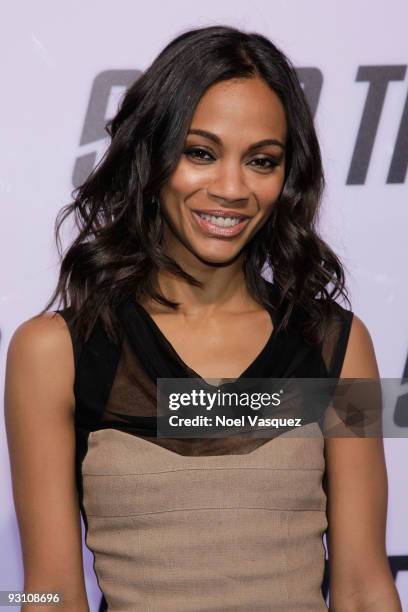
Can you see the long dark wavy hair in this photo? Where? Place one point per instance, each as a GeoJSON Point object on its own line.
{"type": "Point", "coordinates": [118, 252]}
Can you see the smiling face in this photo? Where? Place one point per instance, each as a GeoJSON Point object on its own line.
{"type": "Point", "coordinates": [232, 167]}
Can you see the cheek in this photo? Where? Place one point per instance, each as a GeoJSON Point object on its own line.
{"type": "Point", "coordinates": [268, 190]}
{"type": "Point", "coordinates": [184, 181]}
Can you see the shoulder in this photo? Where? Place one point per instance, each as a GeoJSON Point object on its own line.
{"type": "Point", "coordinates": [40, 354]}
{"type": "Point", "coordinates": [360, 359]}
{"type": "Point", "coordinates": [43, 336]}
{"type": "Point", "coordinates": [347, 346]}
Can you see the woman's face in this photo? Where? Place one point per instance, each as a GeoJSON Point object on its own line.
{"type": "Point", "coordinates": [232, 170]}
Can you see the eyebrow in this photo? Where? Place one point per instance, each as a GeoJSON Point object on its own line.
{"type": "Point", "coordinates": [256, 145]}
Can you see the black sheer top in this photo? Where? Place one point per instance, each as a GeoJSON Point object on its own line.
{"type": "Point", "coordinates": [115, 384]}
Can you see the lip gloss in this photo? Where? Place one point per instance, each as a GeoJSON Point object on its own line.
{"type": "Point", "coordinates": [214, 230]}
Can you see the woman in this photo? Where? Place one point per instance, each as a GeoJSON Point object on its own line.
{"type": "Point", "coordinates": [213, 172]}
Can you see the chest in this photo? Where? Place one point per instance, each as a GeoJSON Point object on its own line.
{"type": "Point", "coordinates": [216, 347]}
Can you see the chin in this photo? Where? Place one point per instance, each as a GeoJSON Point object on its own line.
{"type": "Point", "coordinates": [214, 258]}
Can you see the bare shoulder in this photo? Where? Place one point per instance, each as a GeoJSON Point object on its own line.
{"type": "Point", "coordinates": [360, 359]}
{"type": "Point", "coordinates": [41, 351]}
{"type": "Point", "coordinates": [46, 332]}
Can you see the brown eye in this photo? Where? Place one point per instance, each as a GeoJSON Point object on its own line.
{"type": "Point", "coordinates": [265, 163]}
{"type": "Point", "coordinates": [198, 154]}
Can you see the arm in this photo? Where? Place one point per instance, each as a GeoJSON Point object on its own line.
{"type": "Point", "coordinates": [360, 576]}
{"type": "Point", "coordinates": [39, 414]}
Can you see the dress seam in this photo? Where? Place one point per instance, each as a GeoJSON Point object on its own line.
{"type": "Point", "coordinates": [205, 470]}
{"type": "Point", "coordinates": [109, 516]}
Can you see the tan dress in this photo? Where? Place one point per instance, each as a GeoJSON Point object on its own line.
{"type": "Point", "coordinates": [194, 525]}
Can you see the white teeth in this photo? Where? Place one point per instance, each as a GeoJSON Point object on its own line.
{"type": "Point", "coordinates": [221, 221]}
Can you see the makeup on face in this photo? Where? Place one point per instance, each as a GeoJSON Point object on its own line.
{"type": "Point", "coordinates": [231, 170]}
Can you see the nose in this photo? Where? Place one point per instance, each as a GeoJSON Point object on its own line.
{"type": "Point", "coordinates": [229, 183]}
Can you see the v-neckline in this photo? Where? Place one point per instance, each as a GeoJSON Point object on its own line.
{"type": "Point", "coordinates": [192, 373]}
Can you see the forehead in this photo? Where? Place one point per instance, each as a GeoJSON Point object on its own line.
{"type": "Point", "coordinates": [248, 108]}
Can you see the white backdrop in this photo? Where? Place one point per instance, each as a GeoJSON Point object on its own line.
{"type": "Point", "coordinates": [64, 66]}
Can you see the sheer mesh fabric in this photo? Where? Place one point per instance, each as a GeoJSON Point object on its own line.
{"type": "Point", "coordinates": [132, 408]}
{"type": "Point", "coordinates": [335, 341]}
{"type": "Point", "coordinates": [116, 384]}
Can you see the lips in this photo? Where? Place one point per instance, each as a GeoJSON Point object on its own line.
{"type": "Point", "coordinates": [210, 229]}
{"type": "Point", "coordinates": [232, 214]}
